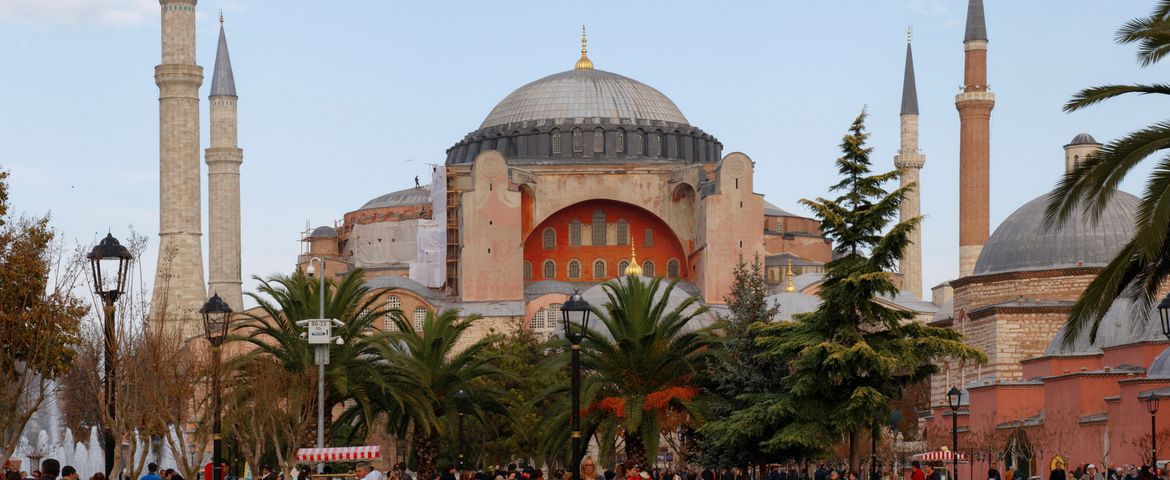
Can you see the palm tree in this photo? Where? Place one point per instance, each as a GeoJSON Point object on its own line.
{"type": "Point", "coordinates": [438, 364]}
{"type": "Point", "coordinates": [1140, 268]}
{"type": "Point", "coordinates": [352, 375]}
{"type": "Point", "coordinates": [641, 366]}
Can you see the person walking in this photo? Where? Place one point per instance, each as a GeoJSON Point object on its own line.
{"type": "Point", "coordinates": [1058, 473]}
{"type": "Point", "coordinates": [69, 473]}
{"type": "Point", "coordinates": [1091, 473]}
{"type": "Point", "coordinates": [589, 469]}
{"type": "Point", "coordinates": [916, 472]}
{"type": "Point", "coordinates": [50, 468]}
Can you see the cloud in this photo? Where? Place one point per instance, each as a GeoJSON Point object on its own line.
{"type": "Point", "coordinates": [57, 13]}
{"type": "Point", "coordinates": [930, 8]}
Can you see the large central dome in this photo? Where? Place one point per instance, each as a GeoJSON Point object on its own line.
{"type": "Point", "coordinates": [584, 93]}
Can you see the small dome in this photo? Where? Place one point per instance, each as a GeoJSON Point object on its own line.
{"type": "Point", "coordinates": [1117, 328]}
{"type": "Point", "coordinates": [1021, 242]}
{"type": "Point", "coordinates": [323, 232]}
{"type": "Point", "coordinates": [1083, 139]}
{"type": "Point", "coordinates": [584, 93]}
{"type": "Point", "coordinates": [1160, 368]}
{"type": "Point", "coordinates": [401, 198]}
{"type": "Point", "coordinates": [792, 303]}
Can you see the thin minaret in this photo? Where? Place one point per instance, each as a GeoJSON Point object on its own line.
{"type": "Point", "coordinates": [179, 290]}
{"type": "Point", "coordinates": [223, 158]}
{"type": "Point", "coordinates": [974, 105]}
{"type": "Point", "coordinates": [909, 161]}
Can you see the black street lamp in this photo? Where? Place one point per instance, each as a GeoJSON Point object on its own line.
{"type": "Point", "coordinates": [575, 318]}
{"type": "Point", "coordinates": [109, 262]}
{"type": "Point", "coordinates": [462, 405]}
{"type": "Point", "coordinates": [217, 316]}
{"type": "Point", "coordinates": [954, 396]}
{"type": "Point", "coordinates": [1152, 407]}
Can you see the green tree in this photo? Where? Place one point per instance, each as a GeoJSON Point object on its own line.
{"type": "Point", "coordinates": [642, 368]}
{"type": "Point", "coordinates": [39, 318]}
{"type": "Point", "coordinates": [352, 375]}
{"type": "Point", "coordinates": [850, 358]}
{"type": "Point", "coordinates": [439, 361]}
{"type": "Point", "coordinates": [1139, 269]}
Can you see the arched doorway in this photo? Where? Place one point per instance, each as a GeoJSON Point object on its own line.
{"type": "Point", "coordinates": [1018, 453]}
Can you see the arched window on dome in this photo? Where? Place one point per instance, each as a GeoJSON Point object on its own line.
{"type": "Point", "coordinates": [550, 269]}
{"type": "Point", "coordinates": [648, 238]}
{"type": "Point", "coordinates": [527, 270]}
{"type": "Point", "coordinates": [575, 233]}
{"type": "Point", "coordinates": [574, 269]}
{"type": "Point", "coordinates": [672, 268]}
{"type": "Point", "coordinates": [419, 317]}
{"type": "Point", "coordinates": [578, 141]}
{"type": "Point", "coordinates": [598, 140]}
{"type": "Point", "coordinates": [392, 303]}
{"type": "Point", "coordinates": [648, 269]}
{"type": "Point", "coordinates": [550, 238]}
{"type": "Point", "coordinates": [619, 141]}
{"type": "Point", "coordinates": [544, 321]}
{"type": "Point", "coordinates": [598, 227]}
{"type": "Point", "coordinates": [623, 232]}
{"type": "Point", "coordinates": [599, 269]}
{"type": "Point", "coordinates": [622, 265]}
{"type": "Point", "coordinates": [655, 145]}
{"type": "Point", "coordinates": [556, 142]}
{"type": "Point", "coordinates": [636, 142]}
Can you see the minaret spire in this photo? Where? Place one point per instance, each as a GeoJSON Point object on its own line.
{"type": "Point", "coordinates": [223, 159]}
{"type": "Point", "coordinates": [974, 105]}
{"type": "Point", "coordinates": [584, 63]}
{"type": "Point", "coordinates": [909, 161]}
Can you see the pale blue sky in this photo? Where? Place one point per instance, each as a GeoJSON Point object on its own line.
{"type": "Point", "coordinates": [343, 101]}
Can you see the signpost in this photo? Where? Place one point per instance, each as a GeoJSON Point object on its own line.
{"type": "Point", "coordinates": [319, 333]}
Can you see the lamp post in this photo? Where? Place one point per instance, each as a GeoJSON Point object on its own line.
{"type": "Point", "coordinates": [216, 318]}
{"type": "Point", "coordinates": [1152, 407]}
{"type": "Point", "coordinates": [954, 396]}
{"type": "Point", "coordinates": [322, 356]}
{"type": "Point", "coordinates": [462, 404]}
{"type": "Point", "coordinates": [1164, 315]}
{"type": "Point", "coordinates": [575, 318]}
{"type": "Point", "coordinates": [109, 258]}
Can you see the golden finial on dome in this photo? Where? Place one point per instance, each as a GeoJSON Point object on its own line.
{"type": "Point", "coordinates": [791, 287]}
{"type": "Point", "coordinates": [633, 269]}
{"type": "Point", "coordinates": [584, 63]}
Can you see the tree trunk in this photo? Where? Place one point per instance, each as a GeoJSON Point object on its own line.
{"type": "Point", "coordinates": [635, 449]}
{"type": "Point", "coordinates": [426, 450]}
{"type": "Point", "coordinates": [854, 453]}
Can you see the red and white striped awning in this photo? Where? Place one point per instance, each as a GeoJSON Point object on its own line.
{"type": "Point", "coordinates": [938, 456]}
{"type": "Point", "coordinates": [339, 454]}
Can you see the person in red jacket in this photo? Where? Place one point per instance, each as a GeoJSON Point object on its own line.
{"type": "Point", "coordinates": [917, 474]}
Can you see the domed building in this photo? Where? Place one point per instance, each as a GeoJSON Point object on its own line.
{"type": "Point", "coordinates": [571, 180]}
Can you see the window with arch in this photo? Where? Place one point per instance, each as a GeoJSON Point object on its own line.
{"type": "Point", "coordinates": [599, 227]}
{"type": "Point", "coordinates": [550, 238]}
{"type": "Point", "coordinates": [636, 143]}
{"type": "Point", "coordinates": [575, 233]}
{"type": "Point", "coordinates": [419, 317]}
{"type": "Point", "coordinates": [527, 270]}
{"type": "Point", "coordinates": [578, 141]}
{"type": "Point", "coordinates": [655, 145]}
{"type": "Point", "coordinates": [619, 141]}
{"type": "Point", "coordinates": [623, 232]}
{"type": "Point", "coordinates": [556, 142]}
{"type": "Point", "coordinates": [549, 269]}
{"type": "Point", "coordinates": [599, 269]}
{"type": "Point", "coordinates": [574, 269]}
{"type": "Point", "coordinates": [544, 321]}
{"type": "Point", "coordinates": [672, 268]}
{"type": "Point", "coordinates": [648, 238]}
{"type": "Point", "coordinates": [598, 140]}
{"type": "Point", "coordinates": [622, 265]}
{"type": "Point", "coordinates": [648, 269]}
{"type": "Point", "coordinates": [392, 303]}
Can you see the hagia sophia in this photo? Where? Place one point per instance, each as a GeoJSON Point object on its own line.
{"type": "Point", "coordinates": [584, 175]}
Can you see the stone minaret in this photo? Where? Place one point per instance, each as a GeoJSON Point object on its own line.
{"type": "Point", "coordinates": [179, 290]}
{"type": "Point", "coordinates": [974, 105]}
{"type": "Point", "coordinates": [909, 161]}
{"type": "Point", "coordinates": [223, 183]}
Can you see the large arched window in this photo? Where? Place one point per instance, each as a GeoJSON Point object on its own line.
{"type": "Point", "coordinates": [544, 321]}
{"type": "Point", "coordinates": [598, 140]}
{"type": "Point", "coordinates": [575, 233]}
{"type": "Point", "coordinates": [655, 145]}
{"type": "Point", "coordinates": [672, 268]}
{"type": "Point", "coordinates": [392, 303]}
{"type": "Point", "coordinates": [619, 141]}
{"type": "Point", "coordinates": [578, 141]}
{"type": "Point", "coordinates": [623, 232]}
{"type": "Point", "coordinates": [527, 270]}
{"type": "Point", "coordinates": [420, 317]}
{"type": "Point", "coordinates": [648, 238]}
{"type": "Point", "coordinates": [622, 267]}
{"type": "Point", "coordinates": [574, 269]}
{"type": "Point", "coordinates": [550, 269]}
{"type": "Point", "coordinates": [648, 269]}
{"type": "Point", "coordinates": [556, 142]}
{"type": "Point", "coordinates": [599, 227]}
{"type": "Point", "coordinates": [550, 238]}
{"type": "Point", "coordinates": [599, 269]}
{"type": "Point", "coordinates": [636, 143]}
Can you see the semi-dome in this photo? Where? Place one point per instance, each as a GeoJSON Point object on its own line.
{"type": "Point", "coordinates": [1021, 243]}
{"type": "Point", "coordinates": [1118, 327]}
{"type": "Point", "coordinates": [401, 198]}
{"type": "Point", "coordinates": [585, 93]}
